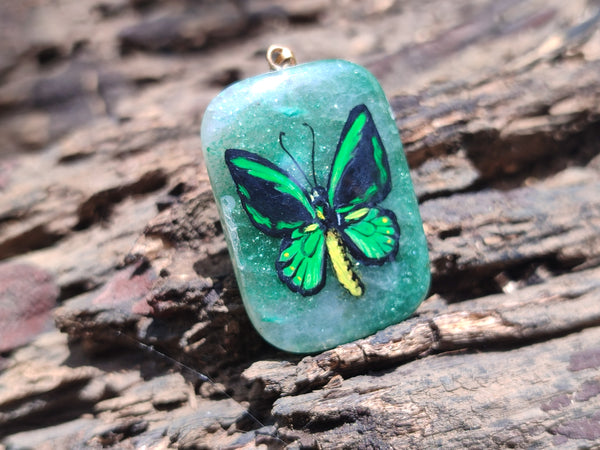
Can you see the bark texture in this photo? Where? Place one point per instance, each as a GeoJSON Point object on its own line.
{"type": "Point", "coordinates": [110, 241]}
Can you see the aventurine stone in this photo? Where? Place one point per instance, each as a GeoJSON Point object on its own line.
{"type": "Point", "coordinates": [327, 243]}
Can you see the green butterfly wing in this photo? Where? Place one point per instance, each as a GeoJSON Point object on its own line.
{"type": "Point", "coordinates": [371, 234]}
{"type": "Point", "coordinates": [274, 201]}
{"type": "Point", "coordinates": [360, 178]}
{"type": "Point", "coordinates": [278, 206]}
{"type": "Point", "coordinates": [301, 263]}
{"type": "Point", "coordinates": [360, 173]}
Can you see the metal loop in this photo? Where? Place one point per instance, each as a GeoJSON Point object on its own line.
{"type": "Point", "coordinates": [280, 57]}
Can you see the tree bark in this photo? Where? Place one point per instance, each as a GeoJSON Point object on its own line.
{"type": "Point", "coordinates": [106, 205]}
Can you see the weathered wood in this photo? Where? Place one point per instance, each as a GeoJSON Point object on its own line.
{"type": "Point", "coordinates": [543, 311]}
{"type": "Point", "coordinates": [538, 395]}
{"type": "Point", "coordinates": [102, 185]}
{"type": "Point", "coordinates": [488, 232]}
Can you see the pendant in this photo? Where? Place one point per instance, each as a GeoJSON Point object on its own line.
{"type": "Point", "coordinates": [316, 202]}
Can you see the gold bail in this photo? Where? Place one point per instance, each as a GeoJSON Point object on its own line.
{"type": "Point", "coordinates": [280, 57]}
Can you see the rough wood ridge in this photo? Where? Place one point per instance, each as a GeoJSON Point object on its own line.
{"type": "Point", "coordinates": [120, 321]}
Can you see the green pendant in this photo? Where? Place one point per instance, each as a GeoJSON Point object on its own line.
{"type": "Point", "coordinates": [317, 204]}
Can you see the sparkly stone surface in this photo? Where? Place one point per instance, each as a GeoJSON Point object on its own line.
{"type": "Point", "coordinates": [250, 116]}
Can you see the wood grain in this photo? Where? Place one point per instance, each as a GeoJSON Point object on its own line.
{"type": "Point", "coordinates": [103, 186]}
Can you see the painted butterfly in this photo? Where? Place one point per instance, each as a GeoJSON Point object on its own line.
{"type": "Point", "coordinates": [317, 222]}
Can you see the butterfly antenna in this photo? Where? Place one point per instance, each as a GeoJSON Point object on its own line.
{"type": "Point", "coordinates": [312, 132]}
{"type": "Point", "coordinates": [281, 134]}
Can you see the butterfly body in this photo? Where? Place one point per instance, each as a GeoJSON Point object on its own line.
{"type": "Point", "coordinates": [342, 266]}
{"type": "Point", "coordinates": [341, 222]}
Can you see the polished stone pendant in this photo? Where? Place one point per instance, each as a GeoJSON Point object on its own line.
{"type": "Point", "coordinates": [317, 204]}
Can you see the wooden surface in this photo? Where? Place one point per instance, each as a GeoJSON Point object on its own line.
{"type": "Point", "coordinates": [106, 211]}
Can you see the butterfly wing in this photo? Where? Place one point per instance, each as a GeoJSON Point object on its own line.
{"type": "Point", "coordinates": [275, 203]}
{"type": "Point", "coordinates": [359, 179]}
{"type": "Point", "coordinates": [301, 263]}
{"type": "Point", "coordinates": [372, 234]}
{"type": "Point", "coordinates": [360, 173]}
{"type": "Point", "coordinates": [278, 206]}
